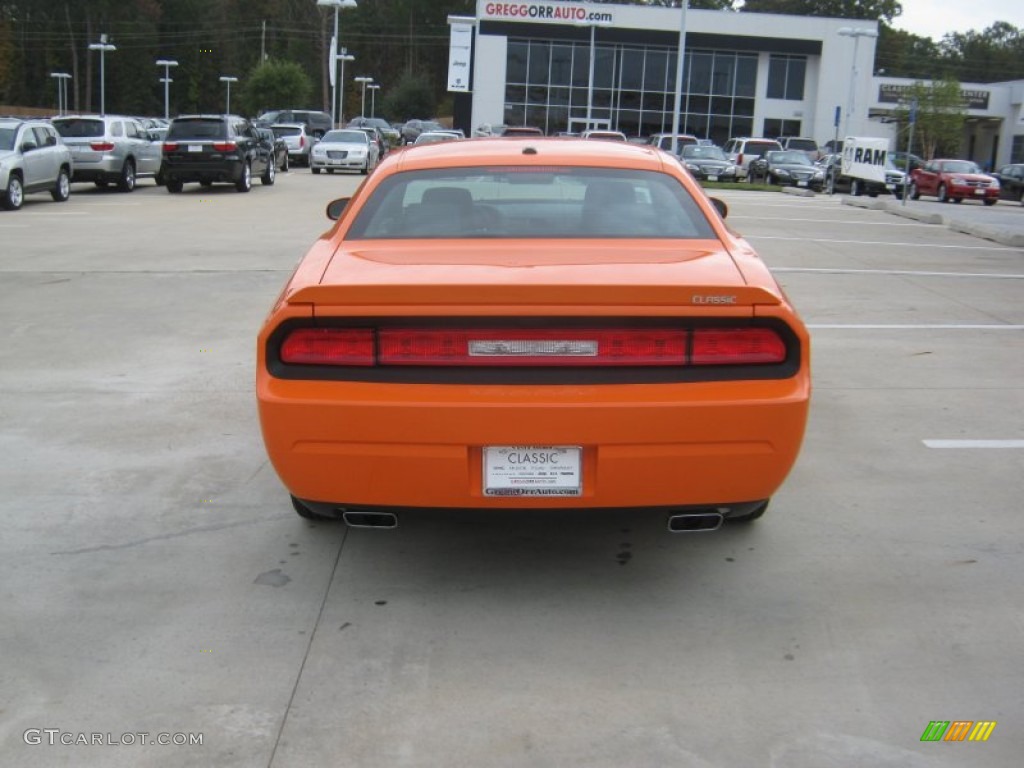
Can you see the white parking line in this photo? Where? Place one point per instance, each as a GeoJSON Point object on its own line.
{"type": "Point", "coordinates": [911, 327]}
{"type": "Point", "coordinates": [974, 443]}
{"type": "Point", "coordinates": [904, 272]}
{"type": "Point", "coordinates": [882, 242]}
{"type": "Point", "coordinates": [858, 222]}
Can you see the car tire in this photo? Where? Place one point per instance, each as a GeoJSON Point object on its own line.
{"type": "Point", "coordinates": [244, 183]}
{"type": "Point", "coordinates": [915, 193]}
{"type": "Point", "coordinates": [126, 182]}
{"type": "Point", "coordinates": [1022, 197]}
{"type": "Point", "coordinates": [366, 168]}
{"type": "Point", "coordinates": [14, 196]}
{"type": "Point", "coordinates": [989, 201]}
{"type": "Point", "coordinates": [957, 199]}
{"type": "Point", "coordinates": [285, 165]}
{"type": "Point", "coordinates": [62, 188]}
{"type": "Point", "coordinates": [306, 513]}
{"type": "Point", "coordinates": [941, 194]}
{"type": "Point", "coordinates": [269, 175]}
{"type": "Point", "coordinates": [174, 186]}
{"type": "Point", "coordinates": [856, 189]}
{"type": "Point", "coordinates": [330, 170]}
{"type": "Point", "coordinates": [315, 170]}
{"type": "Point", "coordinates": [749, 517]}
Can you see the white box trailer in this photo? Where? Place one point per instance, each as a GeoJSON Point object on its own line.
{"type": "Point", "coordinates": [865, 168]}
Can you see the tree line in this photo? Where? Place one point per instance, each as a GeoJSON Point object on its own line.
{"type": "Point", "coordinates": [401, 44]}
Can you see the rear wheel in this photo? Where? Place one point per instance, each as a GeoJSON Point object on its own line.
{"type": "Point", "coordinates": [14, 196]}
{"type": "Point", "coordinates": [174, 186]}
{"type": "Point", "coordinates": [855, 188]}
{"type": "Point", "coordinates": [306, 512]}
{"type": "Point", "coordinates": [62, 189]}
{"type": "Point", "coordinates": [126, 182]}
{"type": "Point", "coordinates": [269, 175]}
{"type": "Point", "coordinates": [989, 201]}
{"type": "Point", "coordinates": [754, 514]}
{"type": "Point", "coordinates": [244, 183]}
{"type": "Point", "coordinates": [315, 170]}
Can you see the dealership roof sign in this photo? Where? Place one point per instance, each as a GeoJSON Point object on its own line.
{"type": "Point", "coordinates": [549, 12]}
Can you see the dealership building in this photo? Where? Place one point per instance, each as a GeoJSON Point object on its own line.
{"type": "Point", "coordinates": [564, 66]}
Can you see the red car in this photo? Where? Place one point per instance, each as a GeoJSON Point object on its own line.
{"type": "Point", "coordinates": [955, 180]}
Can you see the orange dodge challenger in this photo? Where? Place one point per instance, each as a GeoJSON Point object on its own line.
{"type": "Point", "coordinates": [532, 324]}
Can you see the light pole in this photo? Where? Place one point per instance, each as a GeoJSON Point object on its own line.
{"type": "Point", "coordinates": [856, 33]}
{"type": "Point", "coordinates": [228, 80]}
{"type": "Point", "coordinates": [373, 99]}
{"type": "Point", "coordinates": [62, 90]}
{"type": "Point", "coordinates": [342, 57]}
{"type": "Point", "coordinates": [102, 46]}
{"type": "Point", "coordinates": [677, 104]}
{"type": "Point", "coordinates": [332, 56]}
{"type": "Point", "coordinates": [365, 81]}
{"type": "Point", "coordinates": [166, 80]}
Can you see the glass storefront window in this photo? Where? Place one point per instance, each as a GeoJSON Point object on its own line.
{"type": "Point", "coordinates": [634, 88]}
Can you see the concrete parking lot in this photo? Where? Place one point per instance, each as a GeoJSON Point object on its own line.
{"type": "Point", "coordinates": [155, 585]}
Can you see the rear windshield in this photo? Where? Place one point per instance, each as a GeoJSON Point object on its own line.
{"type": "Point", "coordinates": [197, 128]}
{"type": "Point", "coordinates": [287, 130]}
{"type": "Point", "coordinates": [544, 202]}
{"type": "Point", "coordinates": [760, 147]}
{"type": "Point", "coordinates": [807, 145]}
{"type": "Point", "coordinates": [79, 128]}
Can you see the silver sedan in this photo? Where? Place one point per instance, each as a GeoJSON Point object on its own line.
{"type": "Point", "coordinates": [344, 150]}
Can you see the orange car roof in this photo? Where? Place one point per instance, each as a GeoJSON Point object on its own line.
{"type": "Point", "coordinates": [529, 150]}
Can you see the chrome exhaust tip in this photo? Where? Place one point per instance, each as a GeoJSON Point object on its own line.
{"type": "Point", "coordinates": [695, 522]}
{"type": "Point", "coordinates": [356, 519]}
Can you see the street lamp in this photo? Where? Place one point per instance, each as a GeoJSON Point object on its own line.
{"type": "Point", "coordinates": [62, 91]}
{"type": "Point", "coordinates": [342, 57]}
{"type": "Point", "coordinates": [373, 99]}
{"type": "Point", "coordinates": [856, 33]}
{"type": "Point", "coordinates": [102, 46]}
{"type": "Point", "coordinates": [677, 103]}
{"type": "Point", "coordinates": [365, 81]}
{"type": "Point", "coordinates": [166, 80]}
{"type": "Point", "coordinates": [332, 57]}
{"type": "Point", "coordinates": [228, 80]}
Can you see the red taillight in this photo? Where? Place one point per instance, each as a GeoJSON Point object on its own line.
{"type": "Point", "coordinates": [737, 346]}
{"type": "Point", "coordinates": [328, 346]}
{"type": "Point", "coordinates": [170, 146]}
{"type": "Point", "coordinates": [224, 146]}
{"type": "Point", "coordinates": [302, 141]}
{"type": "Point", "coordinates": [101, 146]}
{"type": "Point", "coordinates": [739, 159]}
{"type": "Point", "coordinates": [532, 348]}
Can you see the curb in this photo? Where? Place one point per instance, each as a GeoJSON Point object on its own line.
{"type": "Point", "coordinates": [1002, 235]}
{"type": "Point", "coordinates": [797, 192]}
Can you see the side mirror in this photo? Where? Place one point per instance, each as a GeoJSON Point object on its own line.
{"type": "Point", "coordinates": [720, 206]}
{"type": "Point", "coordinates": [28, 146]}
{"type": "Point", "coordinates": [336, 207]}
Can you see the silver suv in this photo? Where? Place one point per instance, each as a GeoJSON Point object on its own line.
{"type": "Point", "coordinates": [110, 149]}
{"type": "Point", "coordinates": [32, 159]}
{"type": "Point", "coordinates": [743, 149]}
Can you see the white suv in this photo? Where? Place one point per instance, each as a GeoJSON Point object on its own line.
{"type": "Point", "coordinates": [32, 159]}
{"type": "Point", "coordinates": [742, 150]}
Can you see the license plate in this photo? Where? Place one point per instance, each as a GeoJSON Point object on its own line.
{"type": "Point", "coordinates": [512, 470]}
{"type": "Point", "coordinates": [195, 148]}
{"type": "Point", "coordinates": [801, 183]}
{"type": "Point", "coordinates": [712, 178]}
{"type": "Point", "coordinates": [979, 191]}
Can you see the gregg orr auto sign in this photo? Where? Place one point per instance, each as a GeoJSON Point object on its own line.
{"type": "Point", "coordinates": [543, 12]}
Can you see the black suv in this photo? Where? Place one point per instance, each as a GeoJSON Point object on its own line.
{"type": "Point", "coordinates": [209, 148]}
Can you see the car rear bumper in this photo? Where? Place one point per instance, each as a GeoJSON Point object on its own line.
{"type": "Point", "coordinates": [421, 445]}
{"type": "Point", "coordinates": [187, 172]}
{"type": "Point", "coordinates": [347, 163]}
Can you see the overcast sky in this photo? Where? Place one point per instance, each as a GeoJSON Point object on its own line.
{"type": "Point", "coordinates": [934, 18]}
